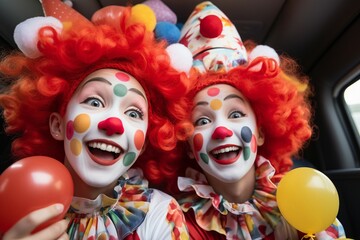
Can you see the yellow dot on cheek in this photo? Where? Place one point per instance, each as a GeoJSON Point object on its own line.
{"type": "Point", "coordinates": [81, 123]}
{"type": "Point", "coordinates": [75, 146]}
{"type": "Point", "coordinates": [215, 104]}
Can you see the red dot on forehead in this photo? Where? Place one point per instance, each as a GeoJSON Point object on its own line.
{"type": "Point", "coordinates": [212, 92]}
{"type": "Point", "coordinates": [122, 76]}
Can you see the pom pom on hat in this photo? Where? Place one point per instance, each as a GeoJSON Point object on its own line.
{"type": "Point", "coordinates": [141, 13]}
{"type": "Point", "coordinates": [264, 51]}
{"type": "Point", "coordinates": [180, 57]}
{"type": "Point", "coordinates": [211, 26]}
{"type": "Point", "coordinates": [167, 31]}
{"type": "Point", "coordinates": [68, 2]}
{"type": "Point", "coordinates": [163, 13]}
{"type": "Point", "coordinates": [26, 34]}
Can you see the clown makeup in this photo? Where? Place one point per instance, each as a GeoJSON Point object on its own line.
{"type": "Point", "coordinates": [226, 137]}
{"type": "Point", "coordinates": [105, 124]}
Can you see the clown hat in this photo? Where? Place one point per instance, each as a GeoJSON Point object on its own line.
{"type": "Point", "coordinates": [69, 17]}
{"type": "Point", "coordinates": [212, 39]}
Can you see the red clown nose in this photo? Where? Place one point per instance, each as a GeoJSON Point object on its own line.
{"type": "Point", "coordinates": [221, 133]}
{"type": "Point", "coordinates": [111, 126]}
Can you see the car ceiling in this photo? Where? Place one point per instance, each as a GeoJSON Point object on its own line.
{"type": "Point", "coordinates": [303, 29]}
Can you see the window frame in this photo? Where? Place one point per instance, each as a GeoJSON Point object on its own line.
{"type": "Point", "coordinates": [344, 113]}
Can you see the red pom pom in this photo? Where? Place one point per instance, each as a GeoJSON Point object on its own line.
{"type": "Point", "coordinates": [211, 26]}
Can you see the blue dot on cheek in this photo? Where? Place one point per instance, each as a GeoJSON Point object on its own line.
{"type": "Point", "coordinates": [246, 134]}
{"type": "Point", "coordinates": [120, 90]}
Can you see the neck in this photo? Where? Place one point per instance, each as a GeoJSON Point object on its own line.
{"type": "Point", "coordinates": [236, 192]}
{"type": "Point", "coordinates": [81, 189]}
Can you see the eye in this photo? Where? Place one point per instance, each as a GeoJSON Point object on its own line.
{"type": "Point", "coordinates": [237, 114]}
{"type": "Point", "coordinates": [202, 121]}
{"type": "Point", "coordinates": [135, 113]}
{"type": "Point", "coordinates": [94, 102]}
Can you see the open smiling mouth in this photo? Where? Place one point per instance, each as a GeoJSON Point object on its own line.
{"type": "Point", "coordinates": [104, 153]}
{"type": "Point", "coordinates": [225, 154]}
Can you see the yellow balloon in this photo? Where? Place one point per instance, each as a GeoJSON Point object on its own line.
{"type": "Point", "coordinates": [308, 200]}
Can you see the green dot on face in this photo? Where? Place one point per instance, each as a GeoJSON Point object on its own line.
{"type": "Point", "coordinates": [129, 159]}
{"type": "Point", "coordinates": [204, 157]}
{"type": "Point", "coordinates": [246, 153]}
{"type": "Point", "coordinates": [120, 90]}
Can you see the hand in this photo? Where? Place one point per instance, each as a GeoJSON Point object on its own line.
{"type": "Point", "coordinates": [23, 228]}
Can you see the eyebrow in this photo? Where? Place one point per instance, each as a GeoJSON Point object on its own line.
{"type": "Point", "coordinates": [201, 103]}
{"type": "Point", "coordinates": [138, 92]}
{"type": "Point", "coordinates": [234, 96]}
{"type": "Point", "coordinates": [97, 79]}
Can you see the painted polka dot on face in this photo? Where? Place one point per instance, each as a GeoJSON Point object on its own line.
{"type": "Point", "coordinates": [246, 134]}
{"type": "Point", "coordinates": [214, 91]}
{"type": "Point", "coordinates": [253, 144]}
{"type": "Point", "coordinates": [120, 90]}
{"type": "Point", "coordinates": [246, 153]}
{"type": "Point", "coordinates": [81, 123]}
{"type": "Point", "coordinates": [139, 139]}
{"type": "Point", "coordinates": [204, 157]}
{"type": "Point", "coordinates": [198, 142]}
{"type": "Point", "coordinates": [215, 104]}
{"type": "Point", "coordinates": [69, 130]}
{"type": "Point", "coordinates": [122, 76]}
{"type": "Point", "coordinates": [129, 158]}
{"type": "Point", "coordinates": [75, 147]}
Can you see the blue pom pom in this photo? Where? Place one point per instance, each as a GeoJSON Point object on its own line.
{"type": "Point", "coordinates": [168, 31]}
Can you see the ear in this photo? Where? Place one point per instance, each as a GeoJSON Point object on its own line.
{"type": "Point", "coordinates": [56, 126]}
{"type": "Point", "coordinates": [190, 151]}
{"type": "Point", "coordinates": [144, 147]}
{"type": "Point", "coordinates": [190, 154]}
{"type": "Point", "coordinates": [261, 138]}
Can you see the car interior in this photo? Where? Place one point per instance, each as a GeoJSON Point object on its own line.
{"type": "Point", "coordinates": [323, 36]}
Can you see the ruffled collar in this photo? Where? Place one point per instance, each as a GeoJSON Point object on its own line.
{"type": "Point", "coordinates": [254, 219]}
{"type": "Point", "coordinates": [111, 217]}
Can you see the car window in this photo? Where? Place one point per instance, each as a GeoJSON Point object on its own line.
{"type": "Point", "coordinates": [352, 100]}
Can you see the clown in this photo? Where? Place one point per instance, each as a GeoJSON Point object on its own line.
{"type": "Point", "coordinates": [86, 94]}
{"type": "Point", "coordinates": [248, 114]}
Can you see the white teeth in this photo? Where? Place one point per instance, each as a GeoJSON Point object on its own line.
{"type": "Point", "coordinates": [109, 148]}
{"type": "Point", "coordinates": [224, 150]}
{"type": "Point", "coordinates": [105, 147]}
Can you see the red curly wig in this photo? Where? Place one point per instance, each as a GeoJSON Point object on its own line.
{"type": "Point", "coordinates": [45, 84]}
{"type": "Point", "coordinates": [279, 97]}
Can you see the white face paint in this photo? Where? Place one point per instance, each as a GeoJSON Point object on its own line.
{"type": "Point", "coordinates": [226, 137]}
{"type": "Point", "coordinates": [106, 121]}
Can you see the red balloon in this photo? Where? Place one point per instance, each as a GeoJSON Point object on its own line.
{"type": "Point", "coordinates": [30, 184]}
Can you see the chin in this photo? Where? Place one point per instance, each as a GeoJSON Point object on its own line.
{"type": "Point", "coordinates": [231, 180]}
{"type": "Point", "coordinates": [226, 179]}
{"type": "Point", "coordinates": [97, 181]}
{"type": "Point", "coordinates": [97, 184]}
